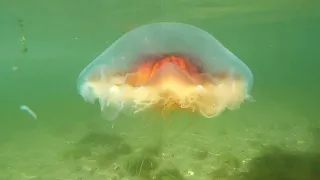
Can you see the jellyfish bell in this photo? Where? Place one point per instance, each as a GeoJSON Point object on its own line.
{"type": "Point", "coordinates": [166, 65]}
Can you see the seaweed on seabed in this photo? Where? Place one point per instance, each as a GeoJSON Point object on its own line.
{"type": "Point", "coordinates": [141, 166]}
{"type": "Point", "coordinates": [222, 173]}
{"type": "Point", "coordinates": [106, 159]}
{"type": "Point", "coordinates": [229, 165]}
{"type": "Point", "coordinates": [152, 150]}
{"type": "Point", "coordinates": [100, 139]}
{"type": "Point", "coordinates": [123, 149]}
{"type": "Point", "coordinates": [78, 153]}
{"type": "Point", "coordinates": [169, 174]}
{"type": "Point", "coordinates": [275, 163]}
{"type": "Point", "coordinates": [229, 160]}
{"type": "Point", "coordinates": [200, 154]}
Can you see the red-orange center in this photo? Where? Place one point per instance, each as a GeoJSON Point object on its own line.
{"type": "Point", "coordinates": [149, 67]}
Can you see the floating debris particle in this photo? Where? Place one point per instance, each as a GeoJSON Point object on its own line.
{"type": "Point", "coordinates": [14, 68]}
{"type": "Point", "coordinates": [23, 39]}
{"type": "Point", "coordinates": [28, 110]}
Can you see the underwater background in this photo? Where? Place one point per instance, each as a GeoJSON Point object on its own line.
{"type": "Point", "coordinates": [45, 44]}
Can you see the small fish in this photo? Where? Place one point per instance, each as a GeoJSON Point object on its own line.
{"type": "Point", "coordinates": [28, 110]}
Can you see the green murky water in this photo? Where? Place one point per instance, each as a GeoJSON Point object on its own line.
{"type": "Point", "coordinates": [45, 44]}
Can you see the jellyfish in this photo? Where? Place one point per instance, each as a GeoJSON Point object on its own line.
{"type": "Point", "coordinates": [167, 66]}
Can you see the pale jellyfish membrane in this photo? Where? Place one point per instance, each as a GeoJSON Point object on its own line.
{"type": "Point", "coordinates": [132, 75]}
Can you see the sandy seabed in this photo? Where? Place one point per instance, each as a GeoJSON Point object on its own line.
{"type": "Point", "coordinates": [236, 145]}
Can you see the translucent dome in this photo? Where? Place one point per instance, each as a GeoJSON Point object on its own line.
{"type": "Point", "coordinates": [168, 65]}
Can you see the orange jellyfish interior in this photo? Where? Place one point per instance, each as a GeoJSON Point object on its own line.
{"type": "Point", "coordinates": [173, 75]}
{"type": "Point", "coordinates": [168, 81]}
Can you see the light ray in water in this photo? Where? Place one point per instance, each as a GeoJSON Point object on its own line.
{"type": "Point", "coordinates": [28, 110]}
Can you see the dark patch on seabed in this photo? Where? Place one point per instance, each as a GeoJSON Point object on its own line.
{"type": "Point", "coordinates": [277, 164]}
{"type": "Point", "coordinates": [105, 149]}
{"type": "Point", "coordinates": [110, 151]}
